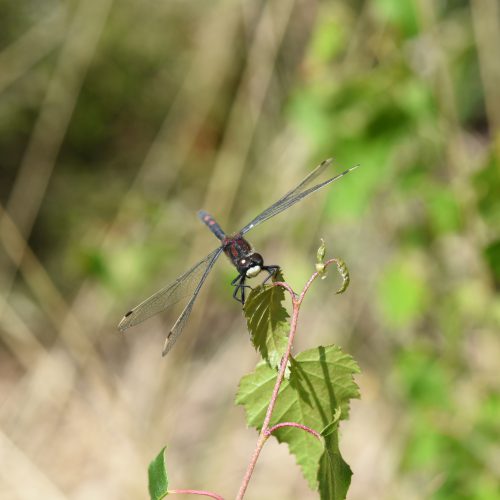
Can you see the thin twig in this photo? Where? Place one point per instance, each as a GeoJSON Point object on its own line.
{"type": "Point", "coordinates": [293, 424]}
{"type": "Point", "coordinates": [287, 287]}
{"type": "Point", "coordinates": [196, 492]}
{"type": "Point", "coordinates": [314, 276]}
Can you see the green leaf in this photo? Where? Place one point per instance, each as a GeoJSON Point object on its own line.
{"type": "Point", "coordinates": [158, 479]}
{"type": "Point", "coordinates": [321, 382]}
{"type": "Point", "coordinates": [267, 321]}
{"type": "Point", "coordinates": [334, 475]}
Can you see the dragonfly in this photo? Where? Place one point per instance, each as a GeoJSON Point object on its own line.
{"type": "Point", "coordinates": [247, 262]}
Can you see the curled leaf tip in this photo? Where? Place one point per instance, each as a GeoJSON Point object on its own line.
{"type": "Point", "coordinates": [320, 255]}
{"type": "Point", "coordinates": [344, 273]}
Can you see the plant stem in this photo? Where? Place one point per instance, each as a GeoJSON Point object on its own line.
{"type": "Point", "coordinates": [196, 492]}
{"type": "Point", "coordinates": [293, 424]}
{"type": "Point", "coordinates": [265, 431]}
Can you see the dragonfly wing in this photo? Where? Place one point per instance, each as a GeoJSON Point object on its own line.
{"type": "Point", "coordinates": [176, 330]}
{"type": "Point", "coordinates": [296, 194]}
{"type": "Point", "coordinates": [181, 288]}
{"type": "Point", "coordinates": [308, 179]}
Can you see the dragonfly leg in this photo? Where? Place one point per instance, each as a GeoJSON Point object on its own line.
{"type": "Point", "coordinates": [239, 284]}
{"type": "Point", "coordinates": [272, 270]}
{"type": "Point", "coordinates": [242, 288]}
{"type": "Point", "coordinates": [238, 278]}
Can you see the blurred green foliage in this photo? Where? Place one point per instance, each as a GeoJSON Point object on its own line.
{"type": "Point", "coordinates": [393, 85]}
{"type": "Point", "coordinates": [380, 107]}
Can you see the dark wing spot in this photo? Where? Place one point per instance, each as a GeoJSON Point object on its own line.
{"type": "Point", "coordinates": [128, 314]}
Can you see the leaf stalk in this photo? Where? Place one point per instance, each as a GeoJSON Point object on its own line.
{"type": "Point", "coordinates": [196, 492]}
{"type": "Point", "coordinates": [293, 424]}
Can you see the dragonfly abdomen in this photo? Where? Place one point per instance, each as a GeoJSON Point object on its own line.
{"type": "Point", "coordinates": [207, 219]}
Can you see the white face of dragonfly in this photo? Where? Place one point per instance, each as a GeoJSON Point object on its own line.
{"type": "Point", "coordinates": [250, 264]}
{"type": "Point", "coordinates": [253, 271]}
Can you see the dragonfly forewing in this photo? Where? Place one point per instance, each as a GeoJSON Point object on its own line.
{"type": "Point", "coordinates": [176, 330]}
{"type": "Point", "coordinates": [181, 288]}
{"type": "Point", "coordinates": [296, 194]}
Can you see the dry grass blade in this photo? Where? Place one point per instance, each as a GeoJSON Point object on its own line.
{"type": "Point", "coordinates": [51, 301]}
{"type": "Point", "coordinates": [16, 468]}
{"type": "Point", "coordinates": [40, 156]}
{"type": "Point", "coordinates": [247, 107]}
{"type": "Point", "coordinates": [19, 57]}
{"type": "Point", "coordinates": [486, 22]}
{"type": "Point", "coordinates": [19, 338]}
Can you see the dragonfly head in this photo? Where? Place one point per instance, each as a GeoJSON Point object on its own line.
{"type": "Point", "coordinates": [251, 265]}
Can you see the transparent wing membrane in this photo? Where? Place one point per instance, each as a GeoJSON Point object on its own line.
{"type": "Point", "coordinates": [184, 286]}
{"type": "Point", "coordinates": [296, 194]}
{"type": "Point", "coordinates": [176, 330]}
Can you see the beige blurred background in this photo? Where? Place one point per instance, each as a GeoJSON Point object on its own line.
{"type": "Point", "coordinates": [119, 120]}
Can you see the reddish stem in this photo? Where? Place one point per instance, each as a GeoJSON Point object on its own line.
{"type": "Point", "coordinates": [314, 276]}
{"type": "Point", "coordinates": [263, 436]}
{"type": "Point", "coordinates": [196, 492]}
{"type": "Point", "coordinates": [265, 431]}
{"type": "Point", "coordinates": [293, 424]}
{"type": "Point", "coordinates": [287, 287]}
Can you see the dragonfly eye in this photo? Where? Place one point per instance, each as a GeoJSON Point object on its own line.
{"type": "Point", "coordinates": [257, 259]}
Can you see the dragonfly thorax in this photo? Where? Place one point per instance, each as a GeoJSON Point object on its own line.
{"type": "Point", "coordinates": [241, 254]}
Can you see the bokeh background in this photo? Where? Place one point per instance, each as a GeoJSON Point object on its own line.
{"type": "Point", "coordinates": [118, 120]}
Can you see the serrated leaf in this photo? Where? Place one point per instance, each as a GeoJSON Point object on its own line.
{"type": "Point", "coordinates": [157, 477]}
{"type": "Point", "coordinates": [334, 475]}
{"type": "Point", "coordinates": [267, 321]}
{"type": "Point", "coordinates": [321, 382]}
